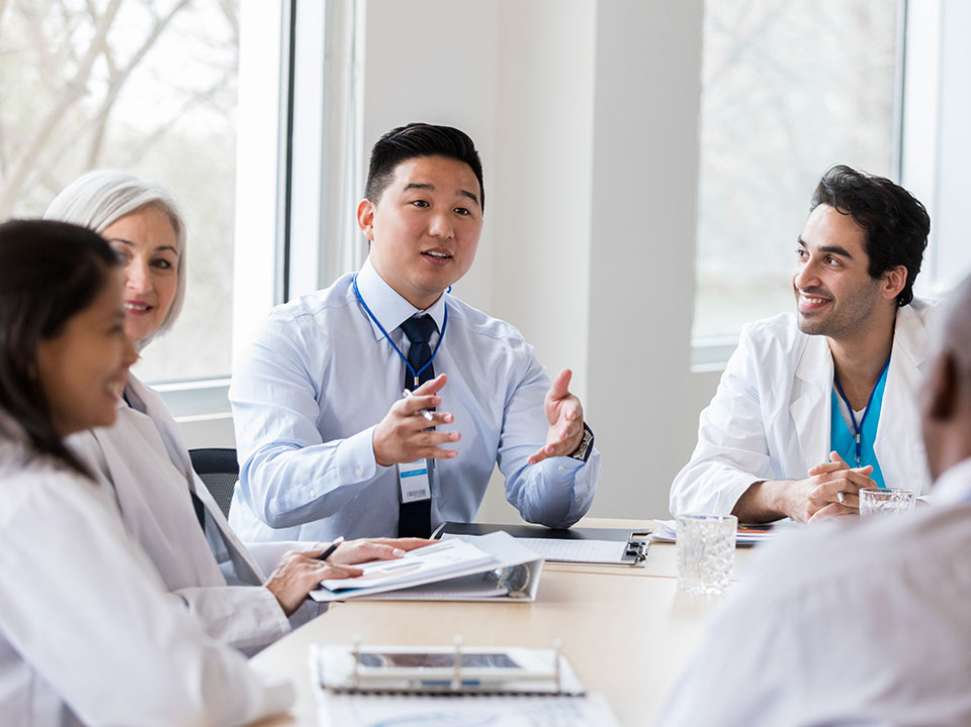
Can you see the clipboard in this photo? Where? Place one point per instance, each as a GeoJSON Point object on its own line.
{"type": "Point", "coordinates": [610, 546]}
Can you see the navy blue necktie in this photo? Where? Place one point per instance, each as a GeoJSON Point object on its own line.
{"type": "Point", "coordinates": [415, 518]}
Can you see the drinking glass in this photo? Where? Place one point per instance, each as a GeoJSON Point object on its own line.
{"type": "Point", "coordinates": [885, 502]}
{"type": "Point", "coordinates": [706, 553]}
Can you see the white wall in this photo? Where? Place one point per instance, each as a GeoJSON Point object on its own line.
{"type": "Point", "coordinates": [434, 61]}
{"type": "Point", "coordinates": [586, 116]}
{"type": "Point", "coordinates": [540, 221]}
{"type": "Point", "coordinates": [648, 77]}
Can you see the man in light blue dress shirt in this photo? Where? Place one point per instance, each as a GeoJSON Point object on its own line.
{"type": "Point", "coordinates": [322, 429]}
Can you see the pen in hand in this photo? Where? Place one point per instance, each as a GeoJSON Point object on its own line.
{"type": "Point", "coordinates": [331, 548]}
{"type": "Point", "coordinates": [408, 394]}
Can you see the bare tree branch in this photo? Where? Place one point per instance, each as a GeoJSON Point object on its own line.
{"type": "Point", "coordinates": [37, 41]}
{"type": "Point", "coordinates": [3, 152]}
{"type": "Point", "coordinates": [69, 19]}
{"type": "Point", "coordinates": [743, 41]}
{"type": "Point", "coordinates": [75, 90]}
{"type": "Point", "coordinates": [118, 82]}
{"type": "Point", "coordinates": [195, 99]}
{"type": "Point", "coordinates": [231, 13]}
{"type": "Point", "coordinates": [3, 12]}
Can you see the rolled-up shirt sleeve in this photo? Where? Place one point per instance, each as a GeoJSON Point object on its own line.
{"type": "Point", "coordinates": [557, 491]}
{"type": "Point", "coordinates": [288, 474]}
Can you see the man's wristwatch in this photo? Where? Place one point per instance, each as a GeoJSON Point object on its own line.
{"type": "Point", "coordinates": [583, 450]}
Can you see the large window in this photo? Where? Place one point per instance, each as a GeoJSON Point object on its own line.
{"type": "Point", "coordinates": [148, 87]}
{"type": "Point", "coordinates": [789, 88]}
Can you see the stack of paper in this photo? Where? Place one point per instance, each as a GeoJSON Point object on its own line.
{"type": "Point", "coordinates": [667, 532]}
{"type": "Point", "coordinates": [348, 710]}
{"type": "Point", "coordinates": [438, 561]}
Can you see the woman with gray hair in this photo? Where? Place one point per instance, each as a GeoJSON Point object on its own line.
{"type": "Point", "coordinates": [165, 505]}
{"type": "Point", "coordinates": [142, 223]}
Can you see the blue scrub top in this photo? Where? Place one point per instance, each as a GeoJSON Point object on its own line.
{"type": "Point", "coordinates": [843, 439]}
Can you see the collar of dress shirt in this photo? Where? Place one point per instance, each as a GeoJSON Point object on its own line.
{"type": "Point", "coordinates": [954, 485]}
{"type": "Point", "coordinates": [387, 305]}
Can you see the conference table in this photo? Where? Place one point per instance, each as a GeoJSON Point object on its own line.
{"type": "Point", "coordinates": [626, 630]}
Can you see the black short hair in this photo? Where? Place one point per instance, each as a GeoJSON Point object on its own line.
{"type": "Point", "coordinates": [419, 140]}
{"type": "Point", "coordinates": [895, 222]}
{"type": "Point", "coordinates": [49, 272]}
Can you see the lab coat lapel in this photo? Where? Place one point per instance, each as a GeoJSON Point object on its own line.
{"type": "Point", "coordinates": [166, 426]}
{"type": "Point", "coordinates": [897, 444]}
{"type": "Point", "coordinates": [811, 402]}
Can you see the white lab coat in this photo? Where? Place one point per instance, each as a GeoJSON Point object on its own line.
{"type": "Point", "coordinates": [770, 418]}
{"type": "Point", "coordinates": [849, 623]}
{"type": "Point", "coordinates": [88, 634]}
{"type": "Point", "coordinates": [144, 461]}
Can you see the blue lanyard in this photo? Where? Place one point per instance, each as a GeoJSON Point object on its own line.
{"type": "Point", "coordinates": [416, 373]}
{"type": "Point", "coordinates": [858, 427]}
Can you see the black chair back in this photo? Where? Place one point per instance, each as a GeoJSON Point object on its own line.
{"type": "Point", "coordinates": [219, 469]}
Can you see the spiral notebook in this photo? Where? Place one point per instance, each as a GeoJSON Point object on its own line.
{"type": "Point", "coordinates": [421, 686]}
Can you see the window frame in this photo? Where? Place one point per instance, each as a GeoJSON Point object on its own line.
{"type": "Point", "coordinates": [263, 178]}
{"type": "Point", "coordinates": [282, 171]}
{"type": "Point", "coordinates": [711, 353]}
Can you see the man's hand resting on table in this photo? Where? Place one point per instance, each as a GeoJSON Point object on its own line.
{"type": "Point", "coordinates": [830, 490]}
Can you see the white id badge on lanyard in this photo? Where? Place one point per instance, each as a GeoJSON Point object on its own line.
{"type": "Point", "coordinates": [413, 479]}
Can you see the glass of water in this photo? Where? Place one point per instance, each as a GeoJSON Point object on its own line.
{"type": "Point", "coordinates": [883, 502]}
{"type": "Point", "coordinates": [706, 553]}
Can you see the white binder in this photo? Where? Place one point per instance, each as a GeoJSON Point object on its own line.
{"type": "Point", "coordinates": [494, 568]}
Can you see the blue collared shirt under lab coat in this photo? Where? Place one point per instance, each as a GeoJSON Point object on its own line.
{"type": "Point", "coordinates": [320, 376]}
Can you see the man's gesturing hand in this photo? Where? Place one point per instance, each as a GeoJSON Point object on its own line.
{"type": "Point", "coordinates": [564, 412]}
{"type": "Point", "coordinates": [404, 435]}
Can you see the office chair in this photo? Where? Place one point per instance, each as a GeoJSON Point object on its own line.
{"type": "Point", "coordinates": [219, 469]}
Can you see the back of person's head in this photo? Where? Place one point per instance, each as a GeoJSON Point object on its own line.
{"type": "Point", "coordinates": [419, 140]}
{"type": "Point", "coordinates": [49, 272]}
{"type": "Point", "coordinates": [946, 395]}
{"type": "Point", "coordinates": [896, 224]}
{"type": "Point", "coordinates": [98, 199]}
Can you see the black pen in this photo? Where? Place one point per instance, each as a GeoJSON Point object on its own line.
{"type": "Point", "coordinates": [331, 548]}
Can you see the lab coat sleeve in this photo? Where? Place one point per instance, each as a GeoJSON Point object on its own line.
{"type": "Point", "coordinates": [743, 671]}
{"type": "Point", "coordinates": [245, 617]}
{"type": "Point", "coordinates": [82, 604]}
{"type": "Point", "coordinates": [268, 555]}
{"type": "Point", "coordinates": [732, 451]}
{"type": "Point", "coordinates": [557, 491]}
{"type": "Point", "coordinates": [288, 474]}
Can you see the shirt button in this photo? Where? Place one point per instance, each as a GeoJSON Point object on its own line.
{"type": "Point", "coordinates": [359, 471]}
{"type": "Point", "coordinates": [562, 468]}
